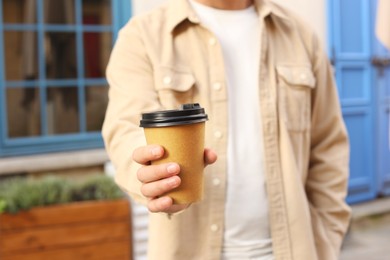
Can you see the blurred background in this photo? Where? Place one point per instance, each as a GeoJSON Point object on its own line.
{"type": "Point", "coordinates": [53, 92]}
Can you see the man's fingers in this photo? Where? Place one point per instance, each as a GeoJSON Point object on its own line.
{"type": "Point", "coordinates": [209, 156]}
{"type": "Point", "coordinates": [160, 204]}
{"type": "Point", "coordinates": [158, 188]}
{"type": "Point", "coordinates": [153, 173]}
{"type": "Point", "coordinates": [145, 154]}
{"type": "Point", "coordinates": [159, 179]}
{"type": "Point", "coordinates": [165, 204]}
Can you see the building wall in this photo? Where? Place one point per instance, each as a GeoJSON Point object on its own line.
{"type": "Point", "coordinates": [314, 12]}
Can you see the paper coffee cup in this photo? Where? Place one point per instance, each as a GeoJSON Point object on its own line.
{"type": "Point", "coordinates": [181, 132]}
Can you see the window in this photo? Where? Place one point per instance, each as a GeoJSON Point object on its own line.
{"type": "Point", "coordinates": [53, 93]}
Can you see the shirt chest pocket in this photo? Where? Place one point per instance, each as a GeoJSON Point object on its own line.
{"type": "Point", "coordinates": [174, 87]}
{"type": "Point", "coordinates": [295, 85]}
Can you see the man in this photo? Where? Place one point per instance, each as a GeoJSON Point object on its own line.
{"type": "Point", "coordinates": [277, 190]}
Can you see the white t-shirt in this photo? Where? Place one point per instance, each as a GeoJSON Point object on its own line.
{"type": "Point", "coordinates": [246, 230]}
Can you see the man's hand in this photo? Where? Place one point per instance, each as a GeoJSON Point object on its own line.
{"type": "Point", "coordinates": [158, 179]}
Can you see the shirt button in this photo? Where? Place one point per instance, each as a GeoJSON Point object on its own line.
{"type": "Point", "coordinates": [216, 181]}
{"type": "Point", "coordinates": [212, 41]}
{"type": "Point", "coordinates": [218, 134]}
{"type": "Point", "coordinates": [167, 80]}
{"type": "Point", "coordinates": [214, 228]}
{"type": "Point", "coordinates": [217, 86]}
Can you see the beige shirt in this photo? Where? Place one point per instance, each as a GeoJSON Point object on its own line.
{"type": "Point", "coordinates": [165, 58]}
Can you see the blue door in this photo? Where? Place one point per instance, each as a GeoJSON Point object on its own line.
{"type": "Point", "coordinates": [381, 62]}
{"type": "Point", "coordinates": [364, 87]}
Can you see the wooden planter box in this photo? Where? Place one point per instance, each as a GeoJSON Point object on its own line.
{"type": "Point", "coordinates": [85, 230]}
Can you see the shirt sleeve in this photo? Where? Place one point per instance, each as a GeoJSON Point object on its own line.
{"type": "Point", "coordinates": [329, 157]}
{"type": "Point", "coordinates": [131, 92]}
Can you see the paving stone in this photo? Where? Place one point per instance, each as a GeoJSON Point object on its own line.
{"type": "Point", "coordinates": [369, 235]}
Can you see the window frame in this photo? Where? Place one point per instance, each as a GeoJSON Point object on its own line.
{"type": "Point", "coordinates": [120, 13]}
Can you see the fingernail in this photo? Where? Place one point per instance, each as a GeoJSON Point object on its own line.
{"type": "Point", "coordinates": [165, 201]}
{"type": "Point", "coordinates": [172, 182]}
{"type": "Point", "coordinates": [172, 168]}
{"type": "Point", "coordinates": [156, 151]}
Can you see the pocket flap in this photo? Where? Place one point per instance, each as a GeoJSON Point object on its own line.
{"type": "Point", "coordinates": [297, 75]}
{"type": "Point", "coordinates": [174, 79]}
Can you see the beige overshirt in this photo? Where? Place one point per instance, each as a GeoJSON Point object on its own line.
{"type": "Point", "coordinates": [165, 58]}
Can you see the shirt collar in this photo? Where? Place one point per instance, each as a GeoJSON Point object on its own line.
{"type": "Point", "coordinates": [181, 10]}
{"type": "Point", "coordinates": [178, 11]}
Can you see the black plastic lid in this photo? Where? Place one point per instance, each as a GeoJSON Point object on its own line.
{"type": "Point", "coordinates": [186, 114]}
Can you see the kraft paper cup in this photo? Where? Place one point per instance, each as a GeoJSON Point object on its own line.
{"type": "Point", "coordinates": [181, 132]}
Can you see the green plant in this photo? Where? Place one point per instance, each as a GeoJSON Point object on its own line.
{"type": "Point", "coordinates": [96, 188]}
{"type": "Point", "coordinates": [18, 194]}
